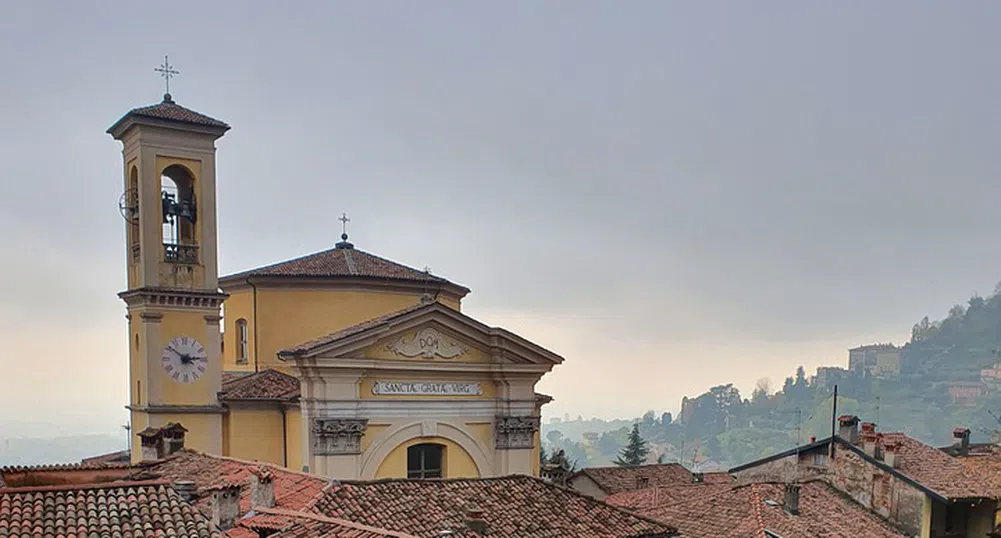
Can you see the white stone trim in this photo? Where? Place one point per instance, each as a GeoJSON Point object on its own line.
{"type": "Point", "coordinates": [382, 445]}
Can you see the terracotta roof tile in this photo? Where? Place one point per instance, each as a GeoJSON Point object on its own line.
{"type": "Point", "coordinates": [293, 490]}
{"type": "Point", "coordinates": [264, 385]}
{"type": "Point", "coordinates": [49, 467]}
{"type": "Point", "coordinates": [301, 525]}
{"type": "Point", "coordinates": [938, 471]}
{"type": "Point", "coordinates": [170, 111]}
{"type": "Point", "coordinates": [341, 262]}
{"type": "Point", "coordinates": [142, 509]}
{"type": "Point", "coordinates": [616, 479]}
{"type": "Point", "coordinates": [748, 510]}
{"type": "Point", "coordinates": [512, 506]}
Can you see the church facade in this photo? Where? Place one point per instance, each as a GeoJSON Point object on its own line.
{"type": "Point", "coordinates": [340, 362]}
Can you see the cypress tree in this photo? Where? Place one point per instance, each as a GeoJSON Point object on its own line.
{"type": "Point", "coordinates": [635, 451]}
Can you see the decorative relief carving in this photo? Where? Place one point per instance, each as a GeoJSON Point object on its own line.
{"type": "Point", "coordinates": [338, 436]}
{"type": "Point", "coordinates": [516, 432]}
{"type": "Point", "coordinates": [429, 428]}
{"type": "Point", "coordinates": [427, 343]}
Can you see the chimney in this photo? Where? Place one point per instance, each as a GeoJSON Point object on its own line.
{"type": "Point", "coordinates": [475, 521]}
{"type": "Point", "coordinates": [225, 506]}
{"type": "Point", "coordinates": [869, 443]}
{"type": "Point", "coordinates": [891, 454]}
{"type": "Point", "coordinates": [152, 447]}
{"type": "Point", "coordinates": [848, 428]}
{"type": "Point", "coordinates": [173, 438]}
{"type": "Point", "coordinates": [185, 489]}
{"type": "Point", "coordinates": [792, 499]}
{"type": "Point", "coordinates": [262, 489]}
{"type": "Point", "coordinates": [962, 445]}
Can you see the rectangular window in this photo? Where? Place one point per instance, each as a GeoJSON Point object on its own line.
{"type": "Point", "coordinates": [425, 461]}
{"type": "Point", "coordinates": [242, 341]}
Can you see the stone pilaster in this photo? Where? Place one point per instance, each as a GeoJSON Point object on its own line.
{"type": "Point", "coordinates": [515, 432]}
{"type": "Point", "coordinates": [338, 436]}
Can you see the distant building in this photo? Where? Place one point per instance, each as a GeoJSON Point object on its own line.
{"type": "Point", "coordinates": [991, 376]}
{"type": "Point", "coordinates": [829, 375]}
{"type": "Point", "coordinates": [966, 392]}
{"type": "Point", "coordinates": [880, 360]}
{"type": "Point", "coordinates": [590, 438]}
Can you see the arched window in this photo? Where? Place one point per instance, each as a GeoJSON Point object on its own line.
{"type": "Point", "coordinates": [179, 212]}
{"type": "Point", "coordinates": [131, 200]}
{"type": "Point", "coordinates": [242, 341]}
{"type": "Point", "coordinates": [425, 460]}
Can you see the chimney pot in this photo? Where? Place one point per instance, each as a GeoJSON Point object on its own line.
{"type": "Point", "coordinates": [791, 504]}
{"type": "Point", "coordinates": [225, 506]}
{"type": "Point", "coordinates": [869, 444]}
{"type": "Point", "coordinates": [962, 436]}
{"type": "Point", "coordinates": [262, 489]}
{"type": "Point", "coordinates": [891, 454]}
{"type": "Point", "coordinates": [848, 428]}
{"type": "Point", "coordinates": [185, 489]}
{"type": "Point", "coordinates": [474, 520]}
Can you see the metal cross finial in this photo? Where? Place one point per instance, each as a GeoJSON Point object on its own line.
{"type": "Point", "coordinates": [344, 225]}
{"type": "Point", "coordinates": [166, 71]}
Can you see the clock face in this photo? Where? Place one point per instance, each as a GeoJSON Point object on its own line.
{"type": "Point", "coordinates": [184, 359]}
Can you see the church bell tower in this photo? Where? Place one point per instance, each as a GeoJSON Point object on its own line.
{"type": "Point", "coordinates": [172, 295]}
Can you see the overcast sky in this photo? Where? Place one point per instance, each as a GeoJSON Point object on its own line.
{"type": "Point", "coordinates": [671, 195]}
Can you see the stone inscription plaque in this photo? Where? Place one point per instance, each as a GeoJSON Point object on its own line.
{"type": "Point", "coordinates": [425, 388]}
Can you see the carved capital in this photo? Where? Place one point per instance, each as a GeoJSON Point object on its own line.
{"type": "Point", "coordinates": [515, 432]}
{"type": "Point", "coordinates": [338, 436]}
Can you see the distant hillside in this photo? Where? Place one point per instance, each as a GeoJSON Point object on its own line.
{"type": "Point", "coordinates": [69, 449]}
{"type": "Point", "coordinates": [939, 387]}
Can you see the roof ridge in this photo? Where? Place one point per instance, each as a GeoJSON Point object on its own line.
{"type": "Point", "coordinates": [272, 466]}
{"type": "Point", "coordinates": [95, 466]}
{"type": "Point", "coordinates": [88, 486]}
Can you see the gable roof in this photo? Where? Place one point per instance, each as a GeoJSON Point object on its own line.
{"type": "Point", "coordinates": [926, 468]}
{"type": "Point", "coordinates": [389, 322]}
{"type": "Point", "coordinates": [114, 509]}
{"type": "Point", "coordinates": [267, 385]}
{"type": "Point", "coordinates": [512, 506]}
{"type": "Point", "coordinates": [340, 262]}
{"type": "Point", "coordinates": [286, 524]}
{"type": "Point", "coordinates": [755, 510]}
{"type": "Point", "coordinates": [293, 490]}
{"type": "Point", "coordinates": [615, 479]}
{"type": "Point", "coordinates": [168, 111]}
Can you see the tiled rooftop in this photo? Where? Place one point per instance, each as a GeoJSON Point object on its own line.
{"type": "Point", "coordinates": [171, 111]}
{"type": "Point", "coordinates": [300, 525]}
{"type": "Point", "coordinates": [751, 510]}
{"type": "Point", "coordinates": [342, 261]}
{"type": "Point", "coordinates": [293, 490]}
{"type": "Point", "coordinates": [264, 385]}
{"type": "Point", "coordinates": [938, 471]}
{"type": "Point", "coordinates": [114, 510]}
{"type": "Point", "coordinates": [512, 506]}
{"type": "Point", "coordinates": [616, 479]}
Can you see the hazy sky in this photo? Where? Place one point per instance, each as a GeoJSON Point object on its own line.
{"type": "Point", "coordinates": [669, 194]}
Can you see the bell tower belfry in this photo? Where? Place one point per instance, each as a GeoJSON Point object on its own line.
{"type": "Point", "coordinates": [172, 293]}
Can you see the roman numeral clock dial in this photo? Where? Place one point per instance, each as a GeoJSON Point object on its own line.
{"type": "Point", "coordinates": [184, 359]}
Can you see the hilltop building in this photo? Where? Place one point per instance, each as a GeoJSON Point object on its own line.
{"type": "Point", "coordinates": [880, 360]}
{"type": "Point", "coordinates": [340, 362]}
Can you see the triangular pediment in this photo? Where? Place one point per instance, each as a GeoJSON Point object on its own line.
{"type": "Point", "coordinates": [426, 333]}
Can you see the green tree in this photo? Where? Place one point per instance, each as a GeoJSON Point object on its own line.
{"type": "Point", "coordinates": [560, 459]}
{"type": "Point", "coordinates": [543, 457]}
{"type": "Point", "coordinates": [636, 450]}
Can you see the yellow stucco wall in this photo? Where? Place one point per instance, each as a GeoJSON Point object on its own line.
{"type": "Point", "coordinates": [458, 463]}
{"type": "Point", "coordinates": [293, 434]}
{"type": "Point", "coordinates": [290, 316]}
{"type": "Point", "coordinates": [239, 305]}
{"type": "Point", "coordinates": [255, 432]}
{"type": "Point", "coordinates": [926, 518]}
